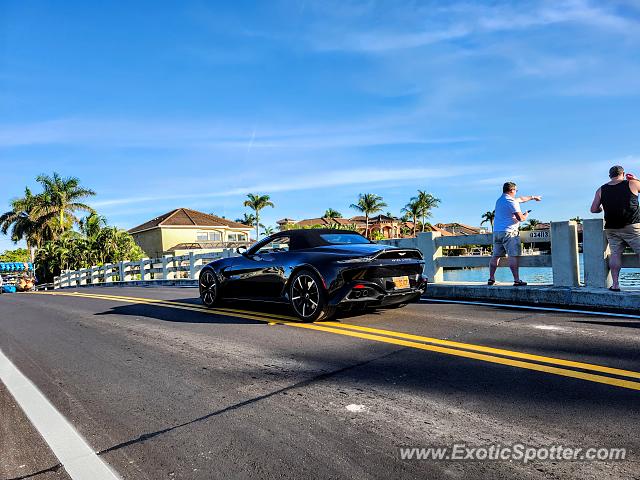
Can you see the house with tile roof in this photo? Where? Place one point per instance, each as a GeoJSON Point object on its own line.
{"type": "Point", "coordinates": [183, 229]}
{"type": "Point", "coordinates": [388, 227]}
{"type": "Point", "coordinates": [460, 228]}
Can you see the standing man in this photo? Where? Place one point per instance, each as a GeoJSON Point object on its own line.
{"type": "Point", "coordinates": [619, 199]}
{"type": "Point", "coordinates": [506, 232]}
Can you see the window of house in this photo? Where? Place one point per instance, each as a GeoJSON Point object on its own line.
{"type": "Point", "coordinates": [209, 236]}
{"type": "Point", "coordinates": [236, 237]}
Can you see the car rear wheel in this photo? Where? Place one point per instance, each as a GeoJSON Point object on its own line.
{"type": "Point", "coordinates": [308, 298]}
{"type": "Point", "coordinates": [208, 288]}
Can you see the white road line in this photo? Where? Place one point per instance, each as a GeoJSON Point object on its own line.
{"type": "Point", "coordinates": [526, 307]}
{"type": "Point", "coordinates": [76, 456]}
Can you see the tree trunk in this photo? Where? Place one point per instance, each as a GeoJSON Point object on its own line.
{"type": "Point", "coordinates": [257, 226]}
{"type": "Point", "coordinates": [415, 225]}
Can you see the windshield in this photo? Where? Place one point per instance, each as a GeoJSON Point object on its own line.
{"type": "Point", "coordinates": [343, 238]}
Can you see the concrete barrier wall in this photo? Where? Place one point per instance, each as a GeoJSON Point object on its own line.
{"type": "Point", "coordinates": [564, 258]}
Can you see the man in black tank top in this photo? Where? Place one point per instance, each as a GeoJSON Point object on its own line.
{"type": "Point", "coordinates": [619, 200]}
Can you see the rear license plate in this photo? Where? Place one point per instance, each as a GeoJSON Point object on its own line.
{"type": "Point", "coordinates": [400, 282]}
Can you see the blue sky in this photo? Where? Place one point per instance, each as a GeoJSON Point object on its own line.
{"type": "Point", "coordinates": [157, 105]}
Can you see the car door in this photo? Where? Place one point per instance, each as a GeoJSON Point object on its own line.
{"type": "Point", "coordinates": [259, 274]}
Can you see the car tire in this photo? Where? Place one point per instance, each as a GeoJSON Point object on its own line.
{"type": "Point", "coordinates": [208, 285]}
{"type": "Point", "coordinates": [308, 297]}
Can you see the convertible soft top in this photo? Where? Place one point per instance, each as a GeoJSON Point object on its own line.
{"type": "Point", "coordinates": [311, 237]}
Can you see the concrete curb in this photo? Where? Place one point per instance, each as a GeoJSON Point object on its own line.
{"type": "Point", "coordinates": [563, 297]}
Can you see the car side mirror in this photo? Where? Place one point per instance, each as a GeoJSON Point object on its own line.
{"type": "Point", "coordinates": [241, 250]}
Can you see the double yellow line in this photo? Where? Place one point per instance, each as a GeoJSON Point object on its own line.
{"type": "Point", "coordinates": [555, 366]}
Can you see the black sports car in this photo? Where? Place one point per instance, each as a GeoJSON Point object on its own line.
{"type": "Point", "coordinates": [317, 271]}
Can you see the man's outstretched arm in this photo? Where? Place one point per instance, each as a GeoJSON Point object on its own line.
{"type": "Point", "coordinates": [537, 198]}
{"type": "Point", "coordinates": [596, 206]}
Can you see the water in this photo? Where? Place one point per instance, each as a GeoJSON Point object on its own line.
{"type": "Point", "coordinates": [629, 277]}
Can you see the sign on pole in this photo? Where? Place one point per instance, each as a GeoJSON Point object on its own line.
{"type": "Point", "coordinates": [535, 236]}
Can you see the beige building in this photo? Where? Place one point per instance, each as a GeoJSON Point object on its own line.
{"type": "Point", "coordinates": [183, 230]}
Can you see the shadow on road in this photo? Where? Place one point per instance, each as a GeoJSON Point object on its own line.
{"type": "Point", "coordinates": [169, 314]}
{"type": "Point", "coordinates": [253, 308]}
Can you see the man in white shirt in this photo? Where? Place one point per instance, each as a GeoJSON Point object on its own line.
{"type": "Point", "coordinates": [506, 231]}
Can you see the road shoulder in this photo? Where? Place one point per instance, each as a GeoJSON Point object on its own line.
{"type": "Point", "coordinates": [23, 452]}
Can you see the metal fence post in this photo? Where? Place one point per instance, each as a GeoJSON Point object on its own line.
{"type": "Point", "coordinates": [564, 254]}
{"type": "Point", "coordinates": [426, 242]}
{"type": "Point", "coordinates": [595, 251]}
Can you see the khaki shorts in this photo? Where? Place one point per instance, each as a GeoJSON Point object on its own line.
{"type": "Point", "coordinates": [506, 243]}
{"type": "Point", "coordinates": [619, 238]}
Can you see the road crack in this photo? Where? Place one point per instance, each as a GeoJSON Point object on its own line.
{"type": "Point", "coordinates": [315, 379]}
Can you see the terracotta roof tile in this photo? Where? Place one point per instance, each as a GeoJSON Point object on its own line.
{"type": "Point", "coordinates": [185, 217]}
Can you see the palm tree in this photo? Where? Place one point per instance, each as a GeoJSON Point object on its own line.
{"type": "Point", "coordinates": [60, 200]}
{"type": "Point", "coordinates": [368, 203]}
{"type": "Point", "coordinates": [531, 225]}
{"type": "Point", "coordinates": [256, 203]}
{"type": "Point", "coordinates": [267, 230]}
{"type": "Point", "coordinates": [413, 209]}
{"type": "Point", "coordinates": [488, 217]}
{"type": "Point", "coordinates": [247, 219]}
{"type": "Point", "coordinates": [91, 225]}
{"type": "Point", "coordinates": [331, 213]}
{"type": "Point", "coordinates": [47, 262]}
{"type": "Point", "coordinates": [24, 224]}
{"type": "Point", "coordinates": [578, 220]}
{"type": "Point", "coordinates": [427, 202]}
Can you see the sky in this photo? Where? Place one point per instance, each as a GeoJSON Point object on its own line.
{"type": "Point", "coordinates": [159, 105]}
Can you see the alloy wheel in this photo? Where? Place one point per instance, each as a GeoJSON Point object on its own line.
{"type": "Point", "coordinates": [208, 288]}
{"type": "Point", "coordinates": [305, 295]}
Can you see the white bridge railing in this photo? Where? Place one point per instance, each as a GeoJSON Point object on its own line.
{"type": "Point", "coordinates": [166, 268]}
{"type": "Point", "coordinates": [563, 260]}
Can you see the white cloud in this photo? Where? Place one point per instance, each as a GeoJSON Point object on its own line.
{"type": "Point", "coordinates": [216, 134]}
{"type": "Point", "coordinates": [362, 177]}
{"type": "Point", "coordinates": [460, 20]}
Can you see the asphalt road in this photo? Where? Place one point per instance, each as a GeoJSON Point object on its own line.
{"type": "Point", "coordinates": [163, 389]}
